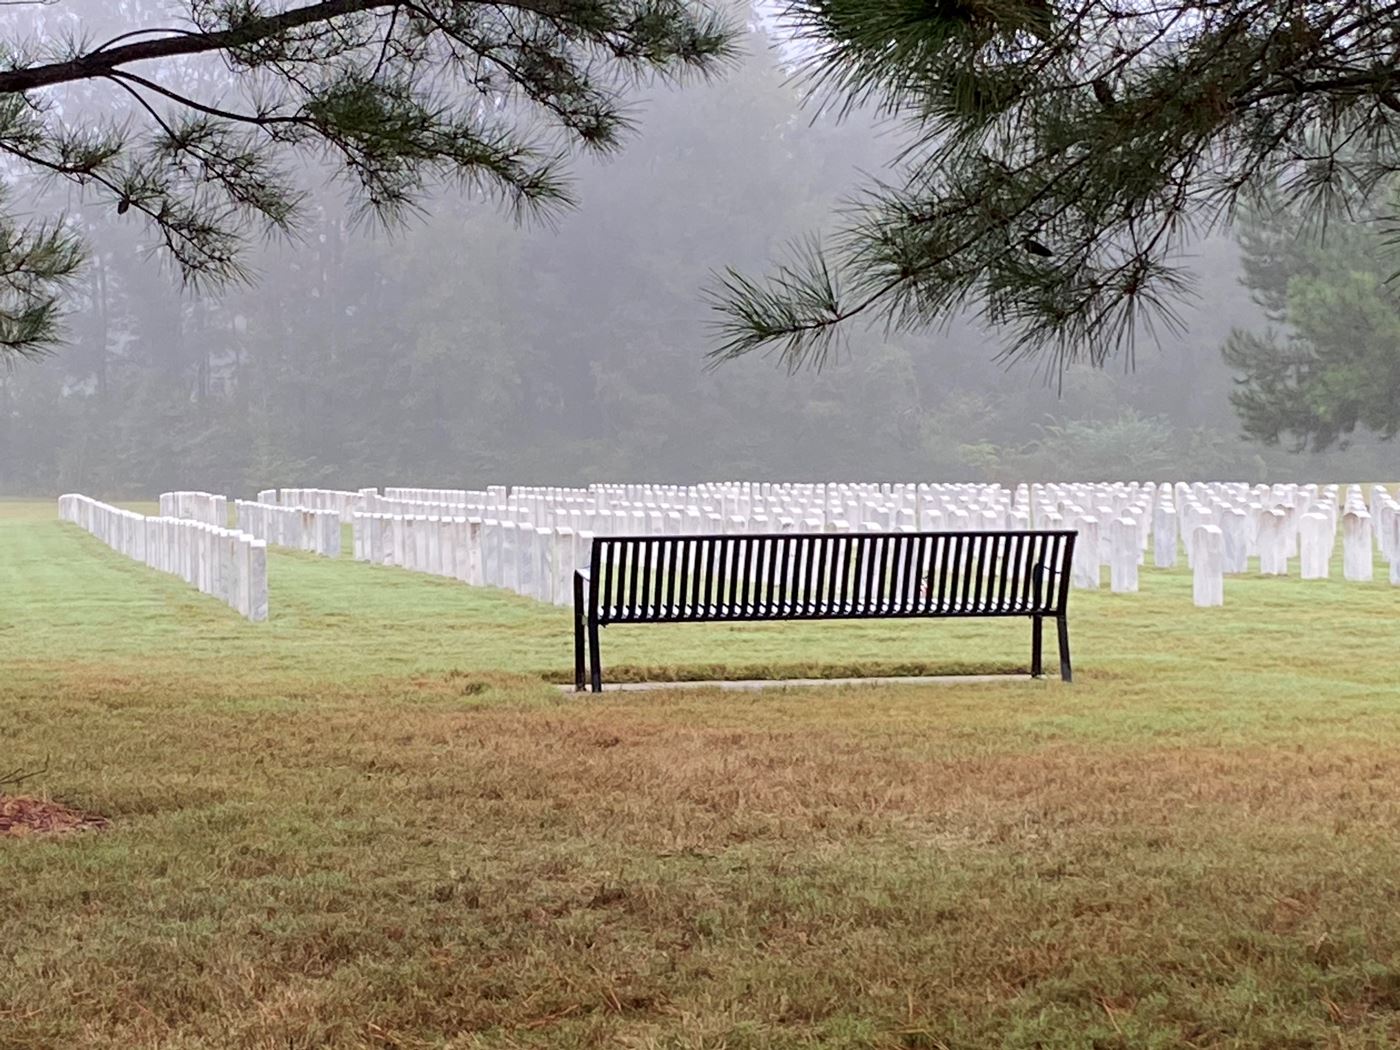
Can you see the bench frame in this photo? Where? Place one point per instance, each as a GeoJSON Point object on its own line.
{"type": "Point", "coordinates": [1041, 598]}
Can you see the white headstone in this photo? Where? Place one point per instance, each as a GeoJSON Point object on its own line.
{"type": "Point", "coordinates": [1234, 529]}
{"type": "Point", "coordinates": [257, 577]}
{"type": "Point", "coordinates": [1085, 572]}
{"type": "Point", "coordinates": [1164, 535]}
{"type": "Point", "coordinates": [1123, 559]}
{"type": "Point", "coordinates": [1273, 540]}
{"type": "Point", "coordinates": [1357, 560]}
{"type": "Point", "coordinates": [1208, 581]}
{"type": "Point", "coordinates": [1315, 546]}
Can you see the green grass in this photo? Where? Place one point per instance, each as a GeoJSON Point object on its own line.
{"type": "Point", "coordinates": [370, 823]}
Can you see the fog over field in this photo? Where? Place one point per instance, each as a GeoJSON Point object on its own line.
{"type": "Point", "coordinates": [466, 348]}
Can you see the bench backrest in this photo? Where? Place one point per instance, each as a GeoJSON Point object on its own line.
{"type": "Point", "coordinates": [794, 576]}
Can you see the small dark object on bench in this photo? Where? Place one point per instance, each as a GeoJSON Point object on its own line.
{"type": "Point", "coordinates": [821, 576]}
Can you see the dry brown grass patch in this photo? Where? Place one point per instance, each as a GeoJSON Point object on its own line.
{"type": "Point", "coordinates": [23, 815]}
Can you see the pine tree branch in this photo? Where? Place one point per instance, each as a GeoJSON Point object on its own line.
{"type": "Point", "coordinates": [102, 62]}
{"type": "Point", "coordinates": [259, 119]}
{"type": "Point", "coordinates": [1094, 141]}
{"type": "Point", "coordinates": [389, 92]}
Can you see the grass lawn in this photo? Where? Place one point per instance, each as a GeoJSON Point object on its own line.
{"type": "Point", "coordinates": [370, 823]}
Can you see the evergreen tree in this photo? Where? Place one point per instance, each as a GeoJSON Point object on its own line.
{"type": "Point", "coordinates": [1330, 364]}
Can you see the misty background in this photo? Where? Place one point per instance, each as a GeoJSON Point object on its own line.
{"type": "Point", "coordinates": [466, 349]}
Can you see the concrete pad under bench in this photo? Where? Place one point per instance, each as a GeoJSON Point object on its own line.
{"type": "Point", "coordinates": [803, 683]}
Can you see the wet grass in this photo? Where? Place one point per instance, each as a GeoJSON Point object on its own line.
{"type": "Point", "coordinates": [370, 822]}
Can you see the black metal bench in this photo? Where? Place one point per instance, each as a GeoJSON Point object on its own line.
{"type": "Point", "coordinates": [821, 576]}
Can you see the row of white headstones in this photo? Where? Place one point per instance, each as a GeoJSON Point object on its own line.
{"type": "Point", "coordinates": [530, 540]}
{"type": "Point", "coordinates": [229, 564]}
{"type": "Point", "coordinates": [293, 526]}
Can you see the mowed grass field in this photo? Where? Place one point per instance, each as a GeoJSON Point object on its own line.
{"type": "Point", "coordinates": [370, 822]}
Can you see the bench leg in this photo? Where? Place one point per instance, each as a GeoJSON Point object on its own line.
{"type": "Point", "coordinates": [580, 675]}
{"type": "Point", "coordinates": [580, 671]}
{"type": "Point", "coordinates": [1037, 670]}
{"type": "Point", "coordinates": [1063, 624]}
{"type": "Point", "coordinates": [595, 657]}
